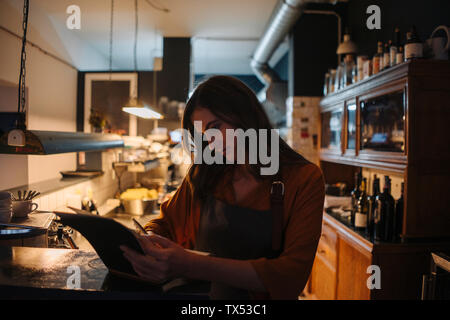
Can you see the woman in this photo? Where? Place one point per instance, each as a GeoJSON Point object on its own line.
{"type": "Point", "coordinates": [261, 230]}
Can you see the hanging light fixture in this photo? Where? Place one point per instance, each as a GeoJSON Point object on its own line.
{"type": "Point", "coordinates": [347, 46]}
{"type": "Point", "coordinates": [135, 106]}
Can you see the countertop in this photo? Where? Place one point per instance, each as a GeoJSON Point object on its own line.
{"type": "Point", "coordinates": [44, 273]}
{"type": "Point", "coordinates": [27, 272]}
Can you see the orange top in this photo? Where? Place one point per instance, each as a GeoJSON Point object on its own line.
{"type": "Point", "coordinates": [284, 277]}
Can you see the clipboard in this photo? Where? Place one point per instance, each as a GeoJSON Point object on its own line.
{"type": "Point", "coordinates": [106, 235]}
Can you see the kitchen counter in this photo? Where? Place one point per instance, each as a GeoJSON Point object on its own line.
{"type": "Point", "coordinates": [43, 273]}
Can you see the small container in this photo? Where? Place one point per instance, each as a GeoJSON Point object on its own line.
{"type": "Point", "coordinates": [139, 207]}
{"type": "Point", "coordinates": [326, 84]}
{"type": "Point", "coordinates": [339, 81]}
{"type": "Point", "coordinates": [332, 81]}
{"type": "Point", "coordinates": [367, 69]}
{"type": "Point", "coordinates": [360, 60]}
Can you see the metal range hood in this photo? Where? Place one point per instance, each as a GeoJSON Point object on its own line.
{"type": "Point", "coordinates": [52, 142]}
{"type": "Point", "coordinates": [273, 95]}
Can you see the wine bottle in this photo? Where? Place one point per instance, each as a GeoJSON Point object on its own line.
{"type": "Point", "coordinates": [377, 58]}
{"type": "Point", "coordinates": [399, 216]}
{"type": "Point", "coordinates": [384, 213]}
{"type": "Point", "coordinates": [393, 49]}
{"type": "Point", "coordinates": [372, 204]}
{"type": "Point", "coordinates": [386, 55]}
{"type": "Point", "coordinates": [399, 58]}
{"type": "Point", "coordinates": [355, 194]}
{"type": "Point", "coordinates": [361, 212]}
{"type": "Point", "coordinates": [413, 45]}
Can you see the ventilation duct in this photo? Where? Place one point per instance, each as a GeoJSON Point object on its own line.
{"type": "Point", "coordinates": [273, 95]}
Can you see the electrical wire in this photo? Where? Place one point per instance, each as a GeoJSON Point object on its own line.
{"type": "Point", "coordinates": [21, 95]}
{"type": "Point", "coordinates": [156, 7]}
{"type": "Point", "coordinates": [111, 24]}
{"type": "Point", "coordinates": [135, 33]}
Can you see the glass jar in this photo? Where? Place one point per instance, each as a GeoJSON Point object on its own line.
{"type": "Point", "coordinates": [347, 76]}
{"type": "Point", "coordinates": [332, 81]}
{"type": "Point", "coordinates": [326, 84]}
{"type": "Point", "coordinates": [339, 81]}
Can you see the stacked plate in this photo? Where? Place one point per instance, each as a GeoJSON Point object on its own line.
{"type": "Point", "coordinates": [6, 210]}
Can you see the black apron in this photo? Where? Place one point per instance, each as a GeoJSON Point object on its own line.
{"type": "Point", "coordinates": [229, 231]}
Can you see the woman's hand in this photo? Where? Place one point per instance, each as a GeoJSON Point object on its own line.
{"type": "Point", "coordinates": [162, 261]}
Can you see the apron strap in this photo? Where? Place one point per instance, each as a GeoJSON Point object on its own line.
{"type": "Point", "coordinates": [277, 208]}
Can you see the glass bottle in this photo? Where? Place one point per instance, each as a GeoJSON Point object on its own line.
{"type": "Point", "coordinates": [377, 59]}
{"type": "Point", "coordinates": [413, 45]}
{"type": "Point", "coordinates": [326, 82]}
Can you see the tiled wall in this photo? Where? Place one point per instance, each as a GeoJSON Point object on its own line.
{"type": "Point", "coordinates": [303, 121]}
{"type": "Point", "coordinates": [103, 188]}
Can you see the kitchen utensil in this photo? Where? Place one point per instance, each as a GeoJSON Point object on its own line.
{"type": "Point", "coordinates": [139, 207]}
{"type": "Point", "coordinates": [22, 208]}
{"type": "Point", "coordinates": [140, 227]}
{"type": "Point", "coordinates": [437, 47]}
{"type": "Point", "coordinates": [31, 195]}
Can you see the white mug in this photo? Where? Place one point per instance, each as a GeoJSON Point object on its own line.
{"type": "Point", "coordinates": [22, 208]}
{"type": "Point", "coordinates": [439, 46]}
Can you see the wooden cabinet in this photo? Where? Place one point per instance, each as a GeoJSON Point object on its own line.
{"type": "Point", "coordinates": [340, 270]}
{"type": "Point", "coordinates": [396, 121]}
{"type": "Point", "coordinates": [352, 271]}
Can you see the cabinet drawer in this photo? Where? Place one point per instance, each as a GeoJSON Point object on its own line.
{"type": "Point", "coordinates": [329, 235]}
{"type": "Point", "coordinates": [327, 245]}
{"type": "Point", "coordinates": [323, 280]}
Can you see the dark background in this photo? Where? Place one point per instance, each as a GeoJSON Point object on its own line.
{"type": "Point", "coordinates": [313, 44]}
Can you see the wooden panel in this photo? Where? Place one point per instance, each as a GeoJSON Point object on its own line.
{"type": "Point", "coordinates": [351, 273]}
{"type": "Point", "coordinates": [327, 245]}
{"type": "Point", "coordinates": [323, 280]}
{"type": "Point", "coordinates": [426, 193]}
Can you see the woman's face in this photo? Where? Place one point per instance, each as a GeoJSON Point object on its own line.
{"type": "Point", "coordinates": [210, 121]}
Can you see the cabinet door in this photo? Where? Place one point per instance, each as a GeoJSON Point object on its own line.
{"type": "Point", "coordinates": [323, 280]}
{"type": "Point", "coordinates": [352, 271]}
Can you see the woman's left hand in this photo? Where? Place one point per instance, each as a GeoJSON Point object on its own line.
{"type": "Point", "coordinates": [163, 259]}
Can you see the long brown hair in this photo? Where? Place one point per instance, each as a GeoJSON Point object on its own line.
{"type": "Point", "coordinates": [233, 102]}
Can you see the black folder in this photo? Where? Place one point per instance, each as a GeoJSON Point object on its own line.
{"type": "Point", "coordinates": [106, 235]}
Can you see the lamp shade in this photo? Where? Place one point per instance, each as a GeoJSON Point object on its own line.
{"type": "Point", "coordinates": [137, 108]}
{"type": "Point", "coordinates": [347, 46]}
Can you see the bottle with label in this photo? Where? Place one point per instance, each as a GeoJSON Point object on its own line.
{"type": "Point", "coordinates": [355, 194]}
{"type": "Point", "coordinates": [349, 64]}
{"type": "Point", "coordinates": [384, 213]}
{"type": "Point", "coordinates": [377, 59]}
{"type": "Point", "coordinates": [399, 58]}
{"type": "Point", "coordinates": [413, 45]}
{"type": "Point", "coordinates": [362, 208]}
{"type": "Point", "coordinates": [399, 216]}
{"type": "Point", "coordinates": [386, 55]}
{"type": "Point", "coordinates": [372, 204]}
{"type": "Point", "coordinates": [393, 49]}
